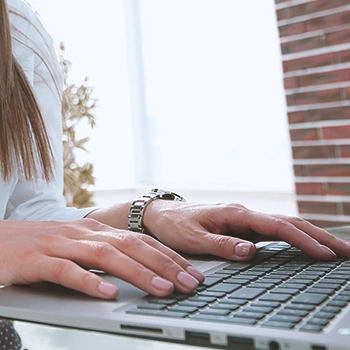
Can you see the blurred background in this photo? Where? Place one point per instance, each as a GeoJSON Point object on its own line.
{"type": "Point", "coordinates": [221, 101]}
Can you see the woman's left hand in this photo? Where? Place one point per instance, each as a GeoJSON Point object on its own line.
{"type": "Point", "coordinates": [228, 230]}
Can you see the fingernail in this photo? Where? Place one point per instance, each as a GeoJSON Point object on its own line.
{"type": "Point", "coordinates": [108, 289]}
{"type": "Point", "coordinates": [243, 249]}
{"type": "Point", "coordinates": [198, 275]}
{"type": "Point", "coordinates": [187, 280]}
{"type": "Point", "coordinates": [162, 284]}
{"type": "Point", "coordinates": [328, 250]}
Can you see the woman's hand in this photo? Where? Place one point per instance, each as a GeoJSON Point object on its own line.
{"type": "Point", "coordinates": [227, 230]}
{"type": "Point", "coordinates": [62, 253]}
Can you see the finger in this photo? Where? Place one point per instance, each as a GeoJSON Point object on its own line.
{"type": "Point", "coordinates": [180, 260]}
{"type": "Point", "coordinates": [109, 235]}
{"type": "Point", "coordinates": [156, 256]}
{"type": "Point", "coordinates": [70, 275]}
{"type": "Point", "coordinates": [281, 229]}
{"type": "Point", "coordinates": [227, 247]}
{"type": "Point", "coordinates": [145, 267]}
{"type": "Point", "coordinates": [338, 245]}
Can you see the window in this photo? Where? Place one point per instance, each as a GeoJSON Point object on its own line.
{"type": "Point", "coordinates": [190, 91]}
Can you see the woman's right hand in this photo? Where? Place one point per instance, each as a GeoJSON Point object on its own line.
{"type": "Point", "coordinates": [63, 253]}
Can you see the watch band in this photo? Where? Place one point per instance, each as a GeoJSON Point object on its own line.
{"type": "Point", "coordinates": [139, 205]}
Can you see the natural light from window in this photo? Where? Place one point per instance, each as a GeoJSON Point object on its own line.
{"type": "Point", "coordinates": [212, 86]}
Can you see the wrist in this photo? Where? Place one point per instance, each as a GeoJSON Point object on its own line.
{"type": "Point", "coordinates": [140, 205]}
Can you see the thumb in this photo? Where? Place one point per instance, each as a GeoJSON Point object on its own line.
{"type": "Point", "coordinates": [231, 248]}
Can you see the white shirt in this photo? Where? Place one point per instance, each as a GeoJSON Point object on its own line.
{"type": "Point", "coordinates": [32, 46]}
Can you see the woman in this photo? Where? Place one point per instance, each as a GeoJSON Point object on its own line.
{"type": "Point", "coordinates": [43, 240]}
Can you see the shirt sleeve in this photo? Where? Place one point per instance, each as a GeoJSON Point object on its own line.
{"type": "Point", "coordinates": [36, 53]}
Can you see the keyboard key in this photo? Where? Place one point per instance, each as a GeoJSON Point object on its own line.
{"type": "Point", "coordinates": [257, 309]}
{"type": "Point", "coordinates": [237, 281]}
{"type": "Point", "coordinates": [225, 287]}
{"type": "Point", "coordinates": [233, 301]}
{"type": "Point", "coordinates": [186, 309]}
{"type": "Point", "coordinates": [198, 304]}
{"type": "Point", "coordinates": [214, 312]}
{"type": "Point", "coordinates": [212, 293]}
{"type": "Point", "coordinates": [247, 293]}
{"type": "Point", "coordinates": [210, 281]}
{"type": "Point", "coordinates": [300, 307]}
{"type": "Point", "coordinates": [290, 291]}
{"type": "Point", "coordinates": [337, 303]}
{"type": "Point", "coordinates": [331, 309]}
{"type": "Point", "coordinates": [230, 307]}
{"type": "Point", "coordinates": [296, 280]}
{"type": "Point", "coordinates": [285, 318]}
{"type": "Point", "coordinates": [299, 286]}
{"type": "Point", "coordinates": [276, 324]}
{"type": "Point", "coordinates": [325, 291]}
{"type": "Point", "coordinates": [325, 315]}
{"type": "Point", "coordinates": [311, 328]}
{"type": "Point", "coordinates": [206, 299]}
{"type": "Point", "coordinates": [310, 298]}
{"type": "Point", "coordinates": [292, 312]}
{"type": "Point", "coordinates": [318, 322]}
{"type": "Point", "coordinates": [269, 304]}
{"type": "Point", "coordinates": [275, 297]}
{"type": "Point", "coordinates": [262, 285]}
{"type": "Point", "coordinates": [253, 315]}
{"type": "Point", "coordinates": [267, 279]}
{"type": "Point", "coordinates": [163, 301]}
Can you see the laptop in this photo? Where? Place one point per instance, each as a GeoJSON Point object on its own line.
{"type": "Point", "coordinates": [282, 300]}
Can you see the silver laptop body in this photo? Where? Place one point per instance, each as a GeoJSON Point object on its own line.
{"type": "Point", "coordinates": [50, 304]}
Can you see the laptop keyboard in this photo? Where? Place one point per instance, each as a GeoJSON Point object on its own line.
{"type": "Point", "coordinates": [281, 288]}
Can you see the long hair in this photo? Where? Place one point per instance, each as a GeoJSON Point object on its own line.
{"type": "Point", "coordinates": [24, 143]}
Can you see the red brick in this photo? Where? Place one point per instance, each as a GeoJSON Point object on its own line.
{"type": "Point", "coordinates": [310, 62]}
{"type": "Point", "coordinates": [291, 83]}
{"type": "Point", "coordinates": [338, 188]}
{"type": "Point", "coordinates": [336, 132]}
{"type": "Point", "coordinates": [302, 45]}
{"type": "Point", "coordinates": [296, 117]}
{"type": "Point", "coordinates": [300, 170]}
{"type": "Point", "coordinates": [334, 76]}
{"type": "Point", "coordinates": [314, 152]}
{"type": "Point", "coordinates": [338, 37]}
{"type": "Point", "coordinates": [313, 24]}
{"type": "Point", "coordinates": [344, 56]}
{"type": "Point", "coordinates": [291, 29]}
{"type": "Point", "coordinates": [309, 188]}
{"type": "Point", "coordinates": [330, 170]}
{"type": "Point", "coordinates": [315, 97]}
{"type": "Point", "coordinates": [328, 38]}
{"type": "Point", "coordinates": [315, 6]}
{"type": "Point", "coordinates": [335, 113]}
{"type": "Point", "coordinates": [329, 208]}
{"type": "Point", "coordinates": [346, 208]}
{"type": "Point", "coordinates": [304, 134]}
{"type": "Point", "coordinates": [343, 151]}
{"type": "Point", "coordinates": [284, 13]}
{"type": "Point", "coordinates": [328, 21]}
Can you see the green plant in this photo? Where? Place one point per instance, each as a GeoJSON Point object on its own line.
{"type": "Point", "coordinates": [78, 105]}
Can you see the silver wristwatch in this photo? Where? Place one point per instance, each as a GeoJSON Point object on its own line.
{"type": "Point", "coordinates": [138, 206]}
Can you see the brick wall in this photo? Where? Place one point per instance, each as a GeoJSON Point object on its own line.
{"type": "Point", "coordinates": [315, 46]}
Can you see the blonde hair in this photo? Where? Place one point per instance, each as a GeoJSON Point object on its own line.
{"type": "Point", "coordinates": [24, 142]}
